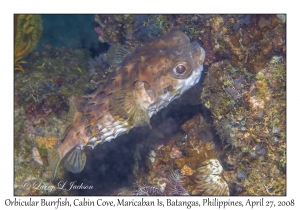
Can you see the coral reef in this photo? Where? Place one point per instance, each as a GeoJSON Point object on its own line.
{"type": "Point", "coordinates": [52, 76]}
{"type": "Point", "coordinates": [148, 191]}
{"type": "Point", "coordinates": [112, 28]}
{"type": "Point", "coordinates": [99, 70]}
{"type": "Point", "coordinates": [175, 152]}
{"type": "Point", "coordinates": [210, 180]}
{"type": "Point", "coordinates": [36, 156]}
{"type": "Point", "coordinates": [249, 112]}
{"type": "Point", "coordinates": [46, 142]}
{"type": "Point", "coordinates": [41, 95]}
{"type": "Point", "coordinates": [197, 170]}
{"type": "Point", "coordinates": [171, 186]}
{"type": "Point", "coordinates": [247, 40]}
{"type": "Point", "coordinates": [174, 186]}
{"type": "Point", "coordinates": [186, 170]}
{"type": "Point", "coordinates": [133, 29]}
{"type": "Point", "coordinates": [32, 176]}
{"type": "Point", "coordinates": [27, 32]}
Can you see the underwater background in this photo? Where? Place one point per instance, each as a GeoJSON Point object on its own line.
{"type": "Point", "coordinates": [229, 129]}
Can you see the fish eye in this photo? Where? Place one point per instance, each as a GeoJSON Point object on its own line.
{"type": "Point", "coordinates": [181, 70]}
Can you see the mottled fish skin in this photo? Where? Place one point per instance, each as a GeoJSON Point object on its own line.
{"type": "Point", "coordinates": [146, 81]}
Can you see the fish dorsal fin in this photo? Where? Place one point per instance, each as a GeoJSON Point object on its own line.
{"type": "Point", "coordinates": [53, 160]}
{"type": "Point", "coordinates": [71, 118]}
{"type": "Point", "coordinates": [75, 160]}
{"type": "Point", "coordinates": [116, 54]}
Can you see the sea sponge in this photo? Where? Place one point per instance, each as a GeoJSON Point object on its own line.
{"type": "Point", "coordinates": [46, 141]}
{"type": "Point", "coordinates": [175, 152]}
{"type": "Point", "coordinates": [186, 170]}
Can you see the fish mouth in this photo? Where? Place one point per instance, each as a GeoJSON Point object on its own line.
{"type": "Point", "coordinates": [146, 92]}
{"type": "Point", "coordinates": [151, 94]}
{"type": "Point", "coordinates": [146, 96]}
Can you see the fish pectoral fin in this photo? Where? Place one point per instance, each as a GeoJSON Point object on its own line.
{"type": "Point", "coordinates": [54, 159]}
{"type": "Point", "coordinates": [124, 103]}
{"type": "Point", "coordinates": [75, 160]}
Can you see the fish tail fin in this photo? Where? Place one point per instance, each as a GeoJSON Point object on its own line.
{"type": "Point", "coordinates": [54, 159]}
{"type": "Point", "coordinates": [75, 160]}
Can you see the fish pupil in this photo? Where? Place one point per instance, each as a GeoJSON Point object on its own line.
{"type": "Point", "coordinates": [180, 69]}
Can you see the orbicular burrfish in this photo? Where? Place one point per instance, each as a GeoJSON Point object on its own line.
{"type": "Point", "coordinates": [144, 82]}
